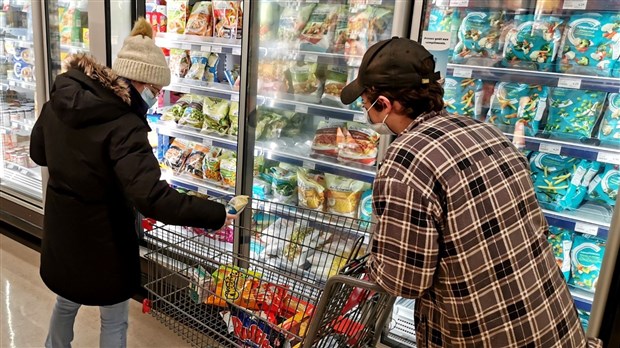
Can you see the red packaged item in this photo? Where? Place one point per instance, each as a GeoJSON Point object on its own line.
{"type": "Point", "coordinates": [225, 19]}
{"type": "Point", "coordinates": [328, 138]}
{"type": "Point", "coordinates": [158, 19]}
{"type": "Point", "coordinates": [360, 144]}
{"type": "Point", "coordinates": [200, 21]}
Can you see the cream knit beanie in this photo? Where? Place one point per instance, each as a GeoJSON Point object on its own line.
{"type": "Point", "coordinates": [140, 59]}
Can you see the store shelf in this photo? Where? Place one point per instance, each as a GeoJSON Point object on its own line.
{"type": "Point", "coordinates": [32, 86]}
{"type": "Point", "coordinates": [25, 179]}
{"type": "Point", "coordinates": [551, 79]}
{"type": "Point", "coordinates": [577, 221]}
{"type": "Point", "coordinates": [19, 42]}
{"type": "Point", "coordinates": [210, 89]}
{"type": "Point", "coordinates": [583, 299]}
{"type": "Point", "coordinates": [288, 103]}
{"type": "Point", "coordinates": [322, 163]}
{"type": "Point", "coordinates": [590, 5]}
{"type": "Point", "coordinates": [185, 181]}
{"type": "Point", "coordinates": [198, 43]}
{"type": "Point", "coordinates": [292, 54]}
{"type": "Point", "coordinates": [572, 149]}
{"type": "Point", "coordinates": [74, 48]}
{"type": "Point", "coordinates": [209, 139]}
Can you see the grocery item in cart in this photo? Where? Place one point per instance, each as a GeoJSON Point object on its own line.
{"type": "Point", "coordinates": [307, 87]}
{"type": "Point", "coordinates": [479, 37]}
{"type": "Point", "coordinates": [175, 112]}
{"type": "Point", "coordinates": [199, 284]}
{"type": "Point", "coordinates": [225, 16]}
{"type": "Point", "coordinates": [269, 17]}
{"type": "Point", "coordinates": [252, 329]}
{"type": "Point", "coordinates": [360, 144]}
{"type": "Point", "coordinates": [590, 45]}
{"type": "Point", "coordinates": [179, 62]}
{"type": "Point", "coordinates": [463, 96]}
{"type": "Point", "coordinates": [200, 20]}
{"type": "Point", "coordinates": [533, 42]}
{"type": "Point", "coordinates": [176, 155]}
{"type": "Point", "coordinates": [328, 138]}
{"type": "Point", "coordinates": [310, 190]}
{"type": "Point", "coordinates": [292, 21]}
{"type": "Point", "coordinates": [573, 113]}
{"type": "Point", "coordinates": [604, 187]}
{"type": "Point", "coordinates": [335, 79]}
{"type": "Point", "coordinates": [211, 164]}
{"type": "Point", "coordinates": [193, 115]}
{"type": "Point", "coordinates": [198, 65]}
{"type": "Point", "coordinates": [229, 282]}
{"type": "Point", "coordinates": [216, 115]}
{"type": "Point", "coordinates": [193, 163]}
{"type": "Point", "coordinates": [561, 241]}
{"type": "Point", "coordinates": [586, 261]}
{"type": "Point", "coordinates": [237, 204]}
{"type": "Point", "coordinates": [343, 195]}
{"type": "Point", "coordinates": [177, 12]}
{"type": "Point", "coordinates": [275, 235]}
{"type": "Point", "coordinates": [512, 102]}
{"type": "Point", "coordinates": [233, 116]}
{"type": "Point", "coordinates": [318, 32]}
{"type": "Point", "coordinates": [228, 168]}
{"type": "Point", "coordinates": [609, 130]}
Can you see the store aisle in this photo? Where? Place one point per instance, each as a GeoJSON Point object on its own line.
{"type": "Point", "coordinates": [26, 306]}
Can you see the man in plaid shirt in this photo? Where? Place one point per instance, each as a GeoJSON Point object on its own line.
{"type": "Point", "coordinates": [459, 227]}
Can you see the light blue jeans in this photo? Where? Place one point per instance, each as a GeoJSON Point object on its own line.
{"type": "Point", "coordinates": [114, 320]}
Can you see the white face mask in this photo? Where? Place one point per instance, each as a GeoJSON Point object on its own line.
{"type": "Point", "coordinates": [380, 128]}
{"type": "Point", "coordinates": [148, 97]}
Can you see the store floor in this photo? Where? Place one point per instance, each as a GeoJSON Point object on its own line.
{"type": "Point", "coordinates": [26, 306]}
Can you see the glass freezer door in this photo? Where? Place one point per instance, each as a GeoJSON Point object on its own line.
{"type": "Point", "coordinates": [21, 83]}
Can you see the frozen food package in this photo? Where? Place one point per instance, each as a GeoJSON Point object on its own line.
{"type": "Point", "coordinates": [590, 45]}
{"type": "Point", "coordinates": [193, 115]}
{"type": "Point", "coordinates": [228, 168]}
{"type": "Point", "coordinates": [70, 25]}
{"type": "Point", "coordinates": [233, 116]}
{"type": "Point", "coordinates": [310, 190]}
{"type": "Point", "coordinates": [551, 177]}
{"type": "Point", "coordinates": [284, 185]}
{"type": "Point", "coordinates": [366, 28]}
{"type": "Point", "coordinates": [380, 26]}
{"type": "Point", "coordinates": [216, 115]}
{"type": "Point", "coordinates": [512, 102]}
{"type": "Point", "coordinates": [198, 65]}
{"type": "Point", "coordinates": [157, 18]}
{"type": "Point", "coordinates": [343, 195]}
{"type": "Point", "coordinates": [237, 204]}
{"type": "Point", "coordinates": [573, 113]}
{"type": "Point", "coordinates": [533, 42]}
{"type": "Point", "coordinates": [478, 38]}
{"type": "Point", "coordinates": [293, 19]}
{"type": "Point", "coordinates": [193, 163]}
{"type": "Point", "coordinates": [335, 80]}
{"type": "Point", "coordinates": [366, 209]}
{"type": "Point", "coordinates": [176, 155]}
{"type": "Point", "coordinates": [271, 123]}
{"type": "Point", "coordinates": [176, 111]}
{"type": "Point", "coordinates": [179, 62]}
{"type": "Point", "coordinates": [609, 130]}
{"type": "Point", "coordinates": [318, 33]}
{"type": "Point", "coordinates": [225, 19]}
{"type": "Point", "coordinates": [200, 20]}
{"type": "Point", "coordinates": [443, 18]}
{"type": "Point", "coordinates": [586, 261]}
{"type": "Point", "coordinates": [360, 144]}
{"type": "Point", "coordinates": [604, 187]}
{"type": "Point", "coordinates": [271, 76]}
{"type": "Point", "coordinates": [561, 241]}
{"type": "Point", "coordinates": [211, 164]}
{"type": "Point", "coordinates": [328, 138]}
{"type": "Point", "coordinates": [269, 16]}
{"type": "Point", "coordinates": [341, 33]}
{"type": "Point", "coordinates": [307, 87]}
{"type": "Point", "coordinates": [580, 180]}
{"type": "Point", "coordinates": [177, 12]}
{"type": "Point", "coordinates": [463, 96]}
{"type": "Point", "coordinates": [280, 230]}
{"type": "Point", "coordinates": [239, 7]}
{"type": "Point", "coordinates": [210, 75]}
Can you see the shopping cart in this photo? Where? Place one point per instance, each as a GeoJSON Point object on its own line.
{"type": "Point", "coordinates": [300, 282]}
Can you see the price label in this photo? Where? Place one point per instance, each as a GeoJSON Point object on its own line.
{"type": "Point", "coordinates": [459, 3]}
{"type": "Point", "coordinates": [359, 118]}
{"type": "Point", "coordinates": [207, 142]}
{"type": "Point", "coordinates": [203, 190]}
{"type": "Point", "coordinates": [375, 2]}
{"type": "Point", "coordinates": [309, 165]}
{"type": "Point", "coordinates": [216, 49]}
{"type": "Point", "coordinates": [567, 82]}
{"type": "Point", "coordinates": [12, 83]}
{"type": "Point", "coordinates": [237, 51]}
{"type": "Point", "coordinates": [586, 228]}
{"type": "Point", "coordinates": [461, 72]}
{"type": "Point", "coordinates": [24, 171]}
{"type": "Point", "coordinates": [234, 97]}
{"type": "Point", "coordinates": [608, 157]}
{"type": "Point", "coordinates": [312, 1]}
{"type": "Point", "coordinates": [575, 4]}
{"type": "Point", "coordinates": [311, 58]}
{"type": "Point", "coordinates": [550, 148]}
{"type": "Point", "coordinates": [186, 47]}
{"type": "Point", "coordinates": [205, 48]}
{"type": "Point", "coordinates": [301, 109]}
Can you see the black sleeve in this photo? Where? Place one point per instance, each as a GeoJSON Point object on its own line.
{"type": "Point", "coordinates": [37, 140]}
{"type": "Point", "coordinates": [138, 171]}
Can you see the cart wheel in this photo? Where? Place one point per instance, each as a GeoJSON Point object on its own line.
{"type": "Point", "coordinates": [146, 306]}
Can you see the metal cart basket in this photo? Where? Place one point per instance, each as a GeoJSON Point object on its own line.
{"type": "Point", "coordinates": [300, 282]}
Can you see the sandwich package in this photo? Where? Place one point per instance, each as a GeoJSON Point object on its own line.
{"type": "Point", "coordinates": [360, 144]}
{"type": "Point", "coordinates": [328, 138]}
{"type": "Point", "coordinates": [200, 20]}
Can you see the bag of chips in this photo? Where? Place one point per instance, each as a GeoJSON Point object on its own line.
{"type": "Point", "coordinates": [200, 20]}
{"type": "Point", "coordinates": [229, 282]}
{"type": "Point", "coordinates": [573, 113]}
{"type": "Point", "coordinates": [609, 130]}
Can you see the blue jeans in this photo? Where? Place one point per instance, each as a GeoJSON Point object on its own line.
{"type": "Point", "coordinates": [113, 324]}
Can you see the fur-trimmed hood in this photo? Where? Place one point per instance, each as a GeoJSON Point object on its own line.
{"type": "Point", "coordinates": [89, 93]}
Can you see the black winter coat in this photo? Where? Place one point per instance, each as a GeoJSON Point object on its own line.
{"type": "Point", "coordinates": [92, 136]}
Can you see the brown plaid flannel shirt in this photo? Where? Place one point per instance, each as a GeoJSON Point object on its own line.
{"type": "Point", "coordinates": [460, 230]}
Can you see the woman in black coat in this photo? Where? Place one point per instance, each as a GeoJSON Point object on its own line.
{"type": "Point", "coordinates": [92, 137]}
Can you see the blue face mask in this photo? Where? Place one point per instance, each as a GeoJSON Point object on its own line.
{"type": "Point", "coordinates": [148, 97]}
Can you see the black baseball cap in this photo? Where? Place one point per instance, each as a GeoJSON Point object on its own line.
{"type": "Point", "coordinates": [393, 63]}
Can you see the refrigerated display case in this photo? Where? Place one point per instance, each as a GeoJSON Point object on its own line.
{"type": "Point", "coordinates": [546, 74]}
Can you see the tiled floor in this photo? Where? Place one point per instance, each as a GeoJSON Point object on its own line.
{"type": "Point", "coordinates": [26, 305]}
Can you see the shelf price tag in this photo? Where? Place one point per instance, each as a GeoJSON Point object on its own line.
{"type": "Point", "coordinates": [553, 149]}
{"type": "Point", "coordinates": [186, 47]}
{"type": "Point", "coordinates": [608, 157]}
{"type": "Point", "coordinates": [205, 48]}
{"type": "Point", "coordinates": [24, 171]}
{"type": "Point", "coordinates": [216, 49]}
{"type": "Point", "coordinates": [586, 228]}
{"type": "Point", "coordinates": [303, 109]}
{"type": "Point", "coordinates": [568, 82]}
{"type": "Point", "coordinates": [236, 51]}
{"type": "Point", "coordinates": [203, 190]}
{"type": "Point", "coordinates": [375, 2]}
{"type": "Point", "coordinates": [359, 118]}
{"type": "Point", "coordinates": [311, 58]}
{"type": "Point", "coordinates": [462, 72]}
{"type": "Point", "coordinates": [575, 4]}
{"type": "Point", "coordinates": [459, 3]}
{"type": "Point", "coordinates": [309, 165]}
{"type": "Point", "coordinates": [234, 97]}
{"type": "Point", "coordinates": [207, 142]}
